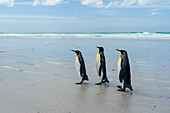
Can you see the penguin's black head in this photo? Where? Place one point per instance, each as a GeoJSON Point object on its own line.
{"type": "Point", "coordinates": [76, 51]}
{"type": "Point", "coordinates": [123, 52]}
{"type": "Point", "coordinates": [100, 49]}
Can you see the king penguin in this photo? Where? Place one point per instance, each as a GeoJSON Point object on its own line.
{"type": "Point", "coordinates": [124, 71]}
{"type": "Point", "coordinates": [101, 66]}
{"type": "Point", "coordinates": [80, 66]}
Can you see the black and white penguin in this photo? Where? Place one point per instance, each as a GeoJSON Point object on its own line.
{"type": "Point", "coordinates": [80, 66]}
{"type": "Point", "coordinates": [101, 66]}
{"type": "Point", "coordinates": [124, 71]}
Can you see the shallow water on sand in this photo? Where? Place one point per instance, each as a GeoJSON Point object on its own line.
{"type": "Point", "coordinates": [38, 75]}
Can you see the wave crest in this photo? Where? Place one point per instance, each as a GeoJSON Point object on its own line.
{"type": "Point", "coordinates": [92, 35]}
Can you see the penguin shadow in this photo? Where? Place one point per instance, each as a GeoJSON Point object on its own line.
{"type": "Point", "coordinates": [125, 99]}
{"type": "Point", "coordinates": [84, 84]}
{"type": "Point", "coordinates": [102, 92]}
{"type": "Point", "coordinates": [129, 92]}
{"type": "Point", "coordinates": [83, 92]}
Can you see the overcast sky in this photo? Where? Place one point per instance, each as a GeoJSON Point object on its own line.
{"type": "Point", "coordinates": [84, 15]}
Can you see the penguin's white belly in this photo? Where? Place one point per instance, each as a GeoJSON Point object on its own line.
{"type": "Point", "coordinates": [98, 63]}
{"type": "Point", "coordinates": [119, 68]}
{"type": "Point", "coordinates": [77, 64]}
{"type": "Point", "coordinates": [119, 65]}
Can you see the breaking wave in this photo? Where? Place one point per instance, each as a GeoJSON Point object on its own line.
{"type": "Point", "coordinates": [92, 35]}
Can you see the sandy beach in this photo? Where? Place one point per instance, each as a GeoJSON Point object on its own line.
{"type": "Point", "coordinates": [39, 76]}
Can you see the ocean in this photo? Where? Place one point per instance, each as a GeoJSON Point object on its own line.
{"type": "Point", "coordinates": [90, 35]}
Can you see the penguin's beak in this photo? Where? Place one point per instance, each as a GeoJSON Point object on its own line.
{"type": "Point", "coordinates": [118, 50]}
{"type": "Point", "coordinates": [98, 47]}
{"type": "Point", "coordinates": [73, 50]}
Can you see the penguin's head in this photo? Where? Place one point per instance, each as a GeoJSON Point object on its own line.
{"type": "Point", "coordinates": [100, 49]}
{"type": "Point", "coordinates": [76, 51]}
{"type": "Point", "coordinates": [123, 52]}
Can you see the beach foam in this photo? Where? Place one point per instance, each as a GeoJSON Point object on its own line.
{"type": "Point", "coordinates": [93, 35]}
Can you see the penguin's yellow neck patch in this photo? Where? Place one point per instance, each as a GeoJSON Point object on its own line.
{"type": "Point", "coordinates": [98, 53]}
{"type": "Point", "coordinates": [120, 59]}
{"type": "Point", "coordinates": [98, 56]}
{"type": "Point", "coordinates": [77, 57]}
{"type": "Point", "coordinates": [119, 64]}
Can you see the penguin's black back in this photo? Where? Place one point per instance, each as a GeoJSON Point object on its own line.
{"type": "Point", "coordinates": [103, 66]}
{"type": "Point", "coordinates": [82, 67]}
{"type": "Point", "coordinates": [125, 74]}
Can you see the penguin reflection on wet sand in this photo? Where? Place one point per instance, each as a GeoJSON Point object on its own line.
{"type": "Point", "coordinates": [124, 71]}
{"type": "Point", "coordinates": [80, 66]}
{"type": "Point", "coordinates": [101, 66]}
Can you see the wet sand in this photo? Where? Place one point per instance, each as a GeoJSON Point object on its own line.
{"type": "Point", "coordinates": [38, 76]}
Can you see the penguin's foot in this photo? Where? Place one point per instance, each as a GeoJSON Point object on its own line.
{"type": "Point", "coordinates": [79, 83]}
{"type": "Point", "coordinates": [86, 78]}
{"type": "Point", "coordinates": [106, 81]}
{"type": "Point", "coordinates": [120, 87]}
{"type": "Point", "coordinates": [121, 90]}
{"type": "Point", "coordinates": [131, 88]}
{"type": "Point", "coordinates": [98, 83]}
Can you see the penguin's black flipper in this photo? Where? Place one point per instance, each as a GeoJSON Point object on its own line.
{"type": "Point", "coordinates": [122, 72]}
{"type": "Point", "coordinates": [120, 87]}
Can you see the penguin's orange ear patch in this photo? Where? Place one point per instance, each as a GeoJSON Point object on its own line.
{"type": "Point", "coordinates": [79, 52]}
{"type": "Point", "coordinates": [124, 53]}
